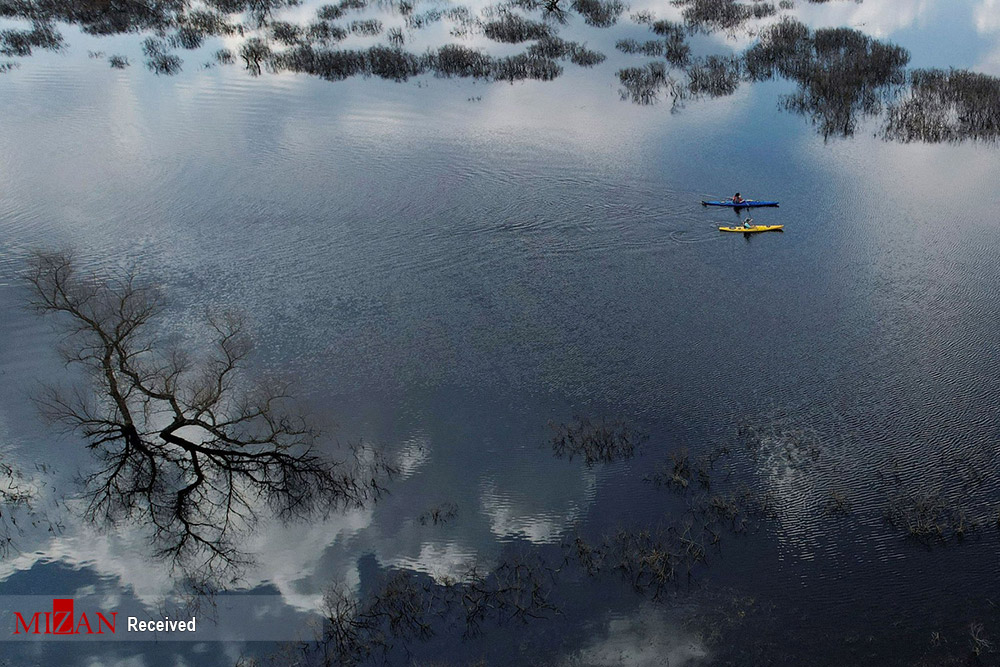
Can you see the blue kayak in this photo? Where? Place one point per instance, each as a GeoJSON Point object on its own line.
{"type": "Point", "coordinates": [746, 203]}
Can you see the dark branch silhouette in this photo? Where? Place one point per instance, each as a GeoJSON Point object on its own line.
{"type": "Point", "coordinates": [189, 446]}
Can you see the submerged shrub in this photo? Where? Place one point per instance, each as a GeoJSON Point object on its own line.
{"type": "Point", "coordinates": [395, 37]}
{"type": "Point", "coordinates": [392, 63]}
{"type": "Point", "coordinates": [330, 12]}
{"type": "Point", "coordinates": [643, 85]}
{"type": "Point", "coordinates": [584, 57]}
{"type": "Point", "coordinates": [525, 66]}
{"type": "Point", "coordinates": [949, 105]}
{"type": "Point", "coordinates": [286, 33]}
{"type": "Point", "coordinates": [652, 48]}
{"type": "Point", "coordinates": [842, 73]}
{"type": "Point", "coordinates": [712, 15]}
{"type": "Point", "coordinates": [551, 47]}
{"type": "Point", "coordinates": [21, 42]}
{"type": "Point", "coordinates": [325, 33]}
{"type": "Point", "coordinates": [418, 21]}
{"type": "Point", "coordinates": [461, 61]}
{"type": "Point", "coordinates": [367, 27]}
{"type": "Point", "coordinates": [602, 441]}
{"type": "Point", "coordinates": [255, 53]}
{"type": "Point", "coordinates": [513, 29]}
{"type": "Point", "coordinates": [714, 76]}
{"type": "Point", "coordinates": [157, 58]}
{"type": "Point", "coordinates": [599, 13]}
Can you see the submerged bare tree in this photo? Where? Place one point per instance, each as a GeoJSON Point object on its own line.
{"type": "Point", "coordinates": [17, 498]}
{"type": "Point", "coordinates": [188, 445]}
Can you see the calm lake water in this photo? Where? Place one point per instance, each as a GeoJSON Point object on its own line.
{"type": "Point", "coordinates": [446, 268]}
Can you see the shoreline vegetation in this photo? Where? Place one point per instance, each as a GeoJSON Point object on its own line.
{"type": "Point", "coordinates": [842, 75]}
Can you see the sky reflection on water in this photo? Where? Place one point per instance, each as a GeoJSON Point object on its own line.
{"type": "Point", "coordinates": [443, 277]}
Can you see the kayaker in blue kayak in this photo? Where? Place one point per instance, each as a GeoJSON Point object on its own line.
{"type": "Point", "coordinates": [737, 199]}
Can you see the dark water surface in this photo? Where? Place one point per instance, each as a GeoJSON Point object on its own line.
{"type": "Point", "coordinates": [444, 278]}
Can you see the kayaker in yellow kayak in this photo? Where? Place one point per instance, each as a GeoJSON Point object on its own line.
{"type": "Point", "coordinates": [748, 223]}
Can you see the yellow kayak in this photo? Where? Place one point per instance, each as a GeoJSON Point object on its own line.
{"type": "Point", "coordinates": [752, 229]}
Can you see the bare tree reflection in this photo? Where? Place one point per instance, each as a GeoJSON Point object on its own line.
{"type": "Point", "coordinates": [189, 446]}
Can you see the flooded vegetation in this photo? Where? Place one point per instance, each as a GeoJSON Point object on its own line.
{"type": "Point", "coordinates": [600, 441]}
{"type": "Point", "coordinates": [762, 450]}
{"type": "Point", "coordinates": [599, 13]}
{"type": "Point", "coordinates": [842, 75]}
{"type": "Point", "coordinates": [20, 43]}
{"type": "Point", "coordinates": [514, 29]}
{"type": "Point", "coordinates": [404, 608]}
{"type": "Point", "coordinates": [952, 105]}
{"type": "Point", "coordinates": [725, 15]}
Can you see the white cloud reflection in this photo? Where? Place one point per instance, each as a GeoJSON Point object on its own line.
{"type": "Point", "coordinates": [650, 638]}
